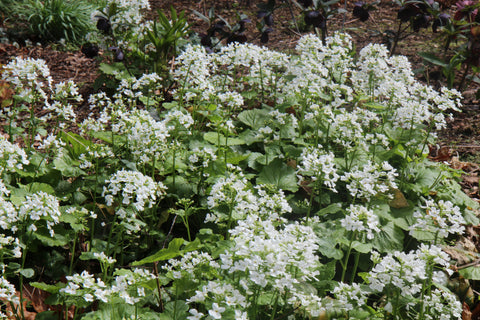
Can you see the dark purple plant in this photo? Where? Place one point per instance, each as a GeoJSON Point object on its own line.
{"type": "Point", "coordinates": [361, 11]}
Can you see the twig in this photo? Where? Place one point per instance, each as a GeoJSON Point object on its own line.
{"type": "Point", "coordinates": [470, 264]}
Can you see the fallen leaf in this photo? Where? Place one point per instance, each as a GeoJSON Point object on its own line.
{"type": "Point", "coordinates": [399, 201]}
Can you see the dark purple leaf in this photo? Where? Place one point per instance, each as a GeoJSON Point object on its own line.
{"type": "Point", "coordinates": [104, 25]}
{"type": "Point", "coordinates": [314, 18]}
{"type": "Point", "coordinates": [441, 21]}
{"type": "Point", "coordinates": [90, 50]}
{"type": "Point", "coordinates": [268, 20]}
{"type": "Point", "coordinates": [360, 11]}
{"type": "Point", "coordinates": [306, 3]}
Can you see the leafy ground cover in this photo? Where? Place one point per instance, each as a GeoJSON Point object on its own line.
{"type": "Point", "coordinates": [247, 183]}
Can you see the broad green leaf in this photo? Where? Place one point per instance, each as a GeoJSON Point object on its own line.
{"type": "Point", "coordinates": [35, 187]}
{"type": "Point", "coordinates": [253, 118]}
{"type": "Point", "coordinates": [471, 273]}
{"type": "Point", "coordinates": [58, 240]}
{"type": "Point", "coordinates": [280, 175]}
{"type": "Point", "coordinates": [27, 273]}
{"type": "Point", "coordinates": [362, 247]}
{"type": "Point", "coordinates": [51, 288]}
{"type": "Point", "coordinates": [389, 239]}
{"type": "Point", "coordinates": [177, 310]}
{"type": "Point", "coordinates": [429, 57]}
{"type": "Point", "coordinates": [77, 144]}
{"type": "Point", "coordinates": [333, 208]}
{"type": "Point", "coordinates": [112, 69]}
{"type": "Point", "coordinates": [68, 167]}
{"type": "Point", "coordinates": [219, 139]}
{"type": "Point", "coordinates": [171, 252]}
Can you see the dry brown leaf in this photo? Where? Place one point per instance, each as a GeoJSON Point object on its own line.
{"type": "Point", "coordinates": [466, 313]}
{"type": "Point", "coordinates": [471, 179]}
{"type": "Point", "coordinates": [455, 163]}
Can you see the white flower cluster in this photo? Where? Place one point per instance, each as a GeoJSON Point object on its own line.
{"type": "Point", "coordinates": [443, 305]}
{"type": "Point", "coordinates": [31, 80]}
{"type": "Point", "coordinates": [232, 198]}
{"type": "Point", "coordinates": [30, 77]}
{"type": "Point", "coordinates": [263, 256]}
{"type": "Point", "coordinates": [127, 17]}
{"type": "Point", "coordinates": [40, 206]}
{"type": "Point", "coordinates": [441, 218]}
{"type": "Point", "coordinates": [234, 192]}
{"type": "Point", "coordinates": [8, 212]}
{"type": "Point", "coordinates": [360, 218]}
{"type": "Point", "coordinates": [131, 89]}
{"type": "Point", "coordinates": [406, 272]}
{"type": "Point", "coordinates": [178, 120]}
{"type": "Point", "coordinates": [373, 180]}
{"type": "Point", "coordinates": [10, 246]}
{"type": "Point", "coordinates": [146, 137]}
{"type": "Point", "coordinates": [349, 296]}
{"type": "Point", "coordinates": [64, 92]}
{"type": "Point", "coordinates": [319, 165]}
{"type": "Point", "coordinates": [94, 153]}
{"type": "Point", "coordinates": [7, 294]}
{"type": "Point", "coordinates": [127, 285]}
{"type": "Point", "coordinates": [204, 76]}
{"type": "Point", "coordinates": [12, 156]}
{"type": "Point", "coordinates": [191, 265]}
{"type": "Point", "coordinates": [103, 258]}
{"type": "Point", "coordinates": [201, 158]}
{"type": "Point", "coordinates": [132, 188]}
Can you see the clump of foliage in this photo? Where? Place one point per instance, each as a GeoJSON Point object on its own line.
{"type": "Point", "coordinates": [463, 29]}
{"type": "Point", "coordinates": [53, 20]}
{"type": "Point", "coordinates": [136, 45]}
{"type": "Point", "coordinates": [219, 29]}
{"type": "Point", "coordinates": [273, 185]}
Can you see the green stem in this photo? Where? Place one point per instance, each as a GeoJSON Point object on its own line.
{"type": "Point", "coordinates": [275, 305]}
{"type": "Point", "coordinates": [310, 204]}
{"type": "Point", "coordinates": [70, 269]}
{"type": "Point", "coordinates": [347, 256]}
{"type": "Point", "coordinates": [173, 166]}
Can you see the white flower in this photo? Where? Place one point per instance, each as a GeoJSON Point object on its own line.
{"type": "Point", "coordinates": [216, 311]}
{"type": "Point", "coordinates": [319, 165]}
{"type": "Point", "coordinates": [195, 315]}
{"type": "Point", "coordinates": [360, 218]}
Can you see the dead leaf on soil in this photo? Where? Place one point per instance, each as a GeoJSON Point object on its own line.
{"type": "Point", "coordinates": [442, 154]}
{"type": "Point", "coordinates": [466, 313]}
{"type": "Point", "coordinates": [471, 179]}
{"type": "Point", "coordinates": [399, 201]}
{"type": "Point", "coordinates": [469, 167]}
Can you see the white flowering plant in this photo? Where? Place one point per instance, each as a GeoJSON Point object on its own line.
{"type": "Point", "coordinates": [273, 186]}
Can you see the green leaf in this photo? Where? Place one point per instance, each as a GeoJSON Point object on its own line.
{"type": "Point", "coordinates": [389, 239]}
{"type": "Point", "coordinates": [68, 167]}
{"type": "Point", "coordinates": [77, 144]}
{"type": "Point", "coordinates": [171, 252]}
{"type": "Point", "coordinates": [253, 118]}
{"type": "Point", "coordinates": [429, 57]}
{"type": "Point", "coordinates": [46, 315]}
{"type": "Point", "coordinates": [35, 187]}
{"type": "Point", "coordinates": [177, 309]}
{"type": "Point", "coordinates": [51, 288]}
{"type": "Point", "coordinates": [27, 273]}
{"type": "Point", "coordinates": [362, 247]}
{"type": "Point", "coordinates": [471, 273]}
{"type": "Point", "coordinates": [112, 69]}
{"type": "Point", "coordinates": [277, 173]}
{"type": "Point", "coordinates": [219, 139]}
{"type": "Point", "coordinates": [58, 240]}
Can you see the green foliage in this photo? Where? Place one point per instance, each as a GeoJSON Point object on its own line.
{"type": "Point", "coordinates": [52, 20]}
